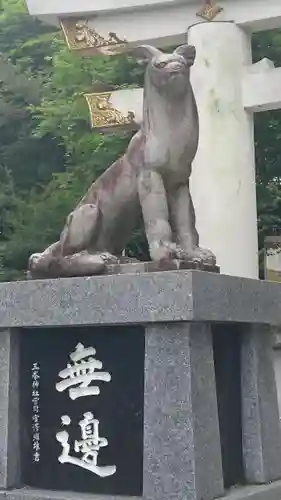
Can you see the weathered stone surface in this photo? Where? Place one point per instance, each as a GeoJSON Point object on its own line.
{"type": "Point", "coordinates": [266, 492]}
{"type": "Point", "coordinates": [232, 299]}
{"type": "Point", "coordinates": [98, 300]}
{"type": "Point", "coordinates": [143, 298]}
{"type": "Point", "coordinates": [9, 409]}
{"type": "Point", "coordinates": [260, 418]}
{"type": "Point", "coordinates": [133, 266]}
{"type": "Point", "coordinates": [159, 266]}
{"type": "Point", "coordinates": [180, 400]}
{"type": "Point", "coordinates": [182, 456]}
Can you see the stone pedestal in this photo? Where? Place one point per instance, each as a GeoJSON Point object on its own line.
{"type": "Point", "coordinates": [261, 425]}
{"type": "Point", "coordinates": [174, 348]}
{"type": "Point", "coordinates": [182, 457]}
{"type": "Point", "coordinates": [9, 409]}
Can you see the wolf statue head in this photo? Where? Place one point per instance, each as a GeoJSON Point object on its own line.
{"type": "Point", "coordinates": [169, 73]}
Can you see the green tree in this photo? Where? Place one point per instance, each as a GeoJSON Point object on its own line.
{"type": "Point", "coordinates": [268, 151]}
{"type": "Point", "coordinates": [24, 69]}
{"type": "Point", "coordinates": [48, 187]}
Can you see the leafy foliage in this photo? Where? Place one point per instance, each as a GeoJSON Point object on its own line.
{"type": "Point", "coordinates": [48, 152]}
{"type": "Point", "coordinates": [268, 150]}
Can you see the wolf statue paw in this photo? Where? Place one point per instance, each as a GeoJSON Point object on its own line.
{"type": "Point", "coordinates": [202, 255]}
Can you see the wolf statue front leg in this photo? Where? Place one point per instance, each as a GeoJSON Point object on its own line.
{"type": "Point", "coordinates": [152, 196]}
{"type": "Point", "coordinates": [182, 218]}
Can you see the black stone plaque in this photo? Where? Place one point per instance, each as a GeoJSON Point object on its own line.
{"type": "Point", "coordinates": [83, 438]}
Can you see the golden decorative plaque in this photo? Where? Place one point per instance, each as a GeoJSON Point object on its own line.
{"type": "Point", "coordinates": [103, 115]}
{"type": "Point", "coordinates": [210, 10]}
{"type": "Point", "coordinates": [81, 37]}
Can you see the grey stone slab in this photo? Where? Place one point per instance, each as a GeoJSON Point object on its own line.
{"type": "Point", "coordinates": [158, 266]}
{"type": "Point", "coordinates": [9, 409]}
{"type": "Point", "coordinates": [261, 433]}
{"type": "Point", "coordinates": [182, 454]}
{"type": "Point", "coordinates": [143, 298]}
{"type": "Point", "coordinates": [33, 494]}
{"type": "Point", "coordinates": [277, 370]}
{"type": "Point", "coordinates": [229, 299]}
{"type": "Point", "coordinates": [266, 492]}
{"type": "Point", "coordinates": [97, 300]}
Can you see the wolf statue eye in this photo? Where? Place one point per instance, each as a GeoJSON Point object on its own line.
{"type": "Point", "coordinates": [160, 64]}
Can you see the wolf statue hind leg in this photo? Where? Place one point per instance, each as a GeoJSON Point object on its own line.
{"type": "Point", "coordinates": [79, 230]}
{"type": "Point", "coordinates": [69, 256]}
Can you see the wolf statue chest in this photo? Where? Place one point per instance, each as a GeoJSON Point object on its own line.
{"type": "Point", "coordinates": [170, 147]}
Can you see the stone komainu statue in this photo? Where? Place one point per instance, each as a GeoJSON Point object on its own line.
{"type": "Point", "coordinates": [150, 181]}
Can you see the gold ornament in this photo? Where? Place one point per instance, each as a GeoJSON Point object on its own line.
{"type": "Point", "coordinates": [210, 10]}
{"type": "Point", "coordinates": [103, 115]}
{"type": "Point", "coordinates": [80, 36]}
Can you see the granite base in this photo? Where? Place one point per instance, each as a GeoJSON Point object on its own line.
{"type": "Point", "coordinates": [265, 492]}
{"type": "Point", "coordinates": [182, 453]}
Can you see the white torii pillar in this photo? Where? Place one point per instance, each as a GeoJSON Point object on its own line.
{"type": "Point", "coordinates": [223, 177]}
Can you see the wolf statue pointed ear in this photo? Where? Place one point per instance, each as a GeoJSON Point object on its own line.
{"type": "Point", "coordinates": [144, 53]}
{"type": "Point", "coordinates": [188, 52]}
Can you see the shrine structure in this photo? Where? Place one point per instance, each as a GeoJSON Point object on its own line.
{"type": "Point", "coordinates": [228, 88]}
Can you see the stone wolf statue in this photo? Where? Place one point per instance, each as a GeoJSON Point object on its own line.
{"type": "Point", "coordinates": [150, 181]}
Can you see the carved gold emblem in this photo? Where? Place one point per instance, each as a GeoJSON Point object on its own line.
{"type": "Point", "coordinates": [103, 115]}
{"type": "Point", "coordinates": [80, 36]}
{"type": "Point", "coordinates": [210, 10]}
